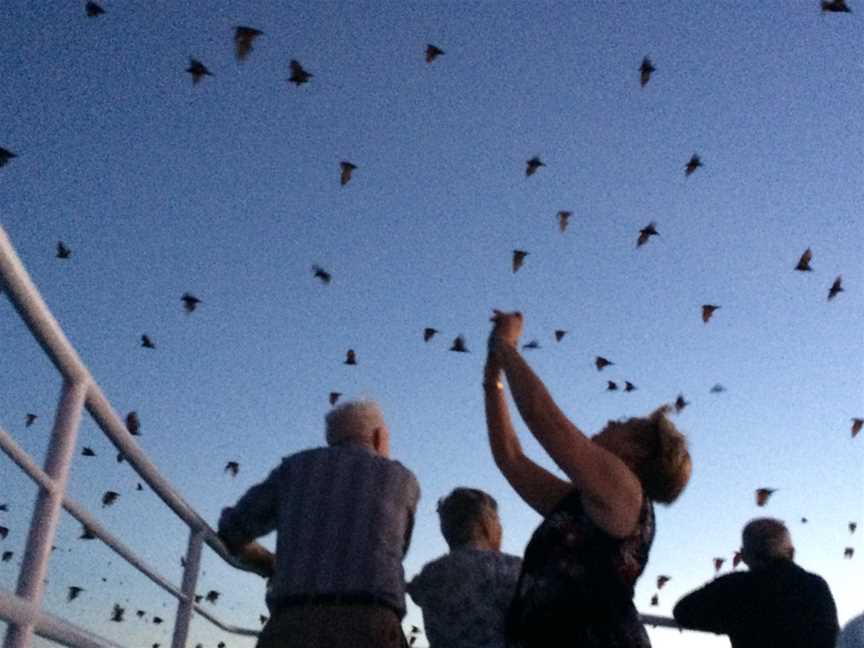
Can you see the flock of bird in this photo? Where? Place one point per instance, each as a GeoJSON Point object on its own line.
{"type": "Point", "coordinates": [244, 39]}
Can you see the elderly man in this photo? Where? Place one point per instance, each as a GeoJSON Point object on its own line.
{"type": "Point", "coordinates": [344, 516]}
{"type": "Point", "coordinates": [775, 603]}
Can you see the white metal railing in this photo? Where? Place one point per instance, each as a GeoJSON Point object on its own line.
{"type": "Point", "coordinates": [23, 610]}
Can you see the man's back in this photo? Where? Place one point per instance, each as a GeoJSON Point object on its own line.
{"type": "Point", "coordinates": [779, 605]}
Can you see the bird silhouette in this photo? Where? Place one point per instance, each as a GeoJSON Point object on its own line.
{"type": "Point", "coordinates": [63, 252]}
{"type": "Point", "coordinates": [243, 38]}
{"type": "Point", "coordinates": [533, 344]}
{"type": "Point", "coordinates": [334, 396]}
{"type": "Point", "coordinates": [662, 580]}
{"type": "Point", "coordinates": [320, 273]}
{"type": "Point", "coordinates": [198, 70]}
{"type": "Point", "coordinates": [857, 423]}
{"type": "Point", "coordinates": [718, 564]}
{"type": "Point", "coordinates": [133, 424]}
{"type": "Point", "coordinates": [518, 259]}
{"type": "Point", "coordinates": [350, 357]}
{"type": "Point", "coordinates": [93, 10]}
{"type": "Point", "coordinates": [600, 362]}
{"type": "Point", "coordinates": [564, 220]}
{"type": "Point", "coordinates": [459, 345]}
{"type": "Point", "coordinates": [117, 613]}
{"type": "Point", "coordinates": [645, 71]}
{"type": "Point", "coordinates": [109, 498]}
{"type": "Point", "coordinates": [299, 76]}
{"type": "Point", "coordinates": [432, 53]}
{"type": "Point", "coordinates": [835, 6]}
{"type": "Point", "coordinates": [212, 596]}
{"type": "Point", "coordinates": [73, 593]}
{"type": "Point", "coordinates": [7, 556]}
{"type": "Point", "coordinates": [680, 403]}
{"type": "Point", "coordinates": [655, 600]}
{"type": "Point", "coordinates": [646, 233]}
{"type": "Point", "coordinates": [717, 389]}
{"type": "Point", "coordinates": [628, 386]}
{"type": "Point", "coordinates": [611, 385]}
{"type": "Point", "coordinates": [708, 311]}
{"type": "Point", "coordinates": [147, 343]}
{"type": "Point", "coordinates": [532, 165]}
{"type": "Point", "coordinates": [804, 261]}
{"type": "Point", "coordinates": [4, 532]}
{"type": "Point", "coordinates": [5, 156]}
{"type": "Point", "coordinates": [347, 170]}
{"type": "Point", "coordinates": [559, 334]}
{"type": "Point", "coordinates": [232, 467]}
{"type": "Point", "coordinates": [852, 527]}
{"type": "Point", "coordinates": [848, 552]}
{"type": "Point", "coordinates": [836, 287]}
{"type": "Point", "coordinates": [762, 495]}
{"type": "Point", "coordinates": [29, 420]}
{"type": "Point", "coordinates": [692, 164]}
{"type": "Point", "coordinates": [429, 333]}
{"type": "Point", "coordinates": [86, 534]}
{"type": "Point", "coordinates": [190, 302]}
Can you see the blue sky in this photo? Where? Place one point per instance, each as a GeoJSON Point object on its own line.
{"type": "Point", "coordinates": [230, 190]}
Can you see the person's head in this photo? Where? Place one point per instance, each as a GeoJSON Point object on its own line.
{"type": "Point", "coordinates": [654, 449]}
{"type": "Point", "coordinates": [470, 517]}
{"type": "Point", "coordinates": [359, 422]}
{"type": "Point", "coordinates": [765, 540]}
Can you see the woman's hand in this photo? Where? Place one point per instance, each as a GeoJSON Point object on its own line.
{"type": "Point", "coordinates": [507, 328]}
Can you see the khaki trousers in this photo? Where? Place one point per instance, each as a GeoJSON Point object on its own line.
{"type": "Point", "coordinates": [333, 625]}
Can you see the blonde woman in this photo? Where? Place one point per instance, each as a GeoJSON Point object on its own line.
{"type": "Point", "coordinates": [580, 567]}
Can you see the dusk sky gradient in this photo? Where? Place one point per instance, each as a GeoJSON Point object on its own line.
{"type": "Point", "coordinates": [230, 190]}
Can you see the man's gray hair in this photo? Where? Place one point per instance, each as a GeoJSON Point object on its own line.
{"type": "Point", "coordinates": [766, 539]}
{"type": "Point", "coordinates": [353, 421]}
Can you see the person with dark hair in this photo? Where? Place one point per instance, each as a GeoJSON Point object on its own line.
{"type": "Point", "coordinates": [464, 594]}
{"type": "Point", "coordinates": [581, 564]}
{"type": "Point", "coordinates": [344, 515]}
{"type": "Point", "coordinates": [775, 603]}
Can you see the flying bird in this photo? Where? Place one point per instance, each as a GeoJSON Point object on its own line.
{"type": "Point", "coordinates": [5, 156]}
{"type": "Point", "coordinates": [611, 385]}
{"type": "Point", "coordinates": [299, 76]}
{"type": "Point", "coordinates": [680, 403]}
{"type": "Point", "coordinates": [157, 620]}
{"type": "Point", "coordinates": [190, 302]}
{"type": "Point", "coordinates": [628, 386]}
{"type": "Point", "coordinates": [140, 614]}
{"type": "Point", "coordinates": [600, 362]}
{"type": "Point", "coordinates": [459, 345]}
{"type": "Point", "coordinates": [87, 452]}
{"type": "Point", "coordinates": [692, 164]}
{"type": "Point", "coordinates": [655, 600]}
{"type": "Point", "coordinates": [804, 520]}
{"type": "Point", "coordinates": [147, 343]}
{"type": "Point", "coordinates": [646, 233]}
{"type": "Point", "coordinates": [243, 37]}
{"type": "Point", "coordinates": [848, 552]}
{"type": "Point", "coordinates": [120, 457]}
{"type": "Point", "coordinates": [4, 508]}
{"type": "Point", "coordinates": [518, 259]}
{"type": "Point", "coordinates": [564, 220]}
{"type": "Point", "coordinates": [762, 495]}
{"type": "Point", "coordinates": [852, 527]}
{"type": "Point", "coordinates": [717, 389]}
{"type": "Point", "coordinates": [857, 424]}
{"type": "Point", "coordinates": [133, 423]}
{"type": "Point", "coordinates": [708, 311]}
{"type": "Point", "coordinates": [350, 357]}
{"type": "Point", "coordinates": [835, 6]}
{"type": "Point", "coordinates": [212, 596]}
{"type": "Point", "coordinates": [263, 619]}
{"type": "Point", "coordinates": [532, 165]}
{"type": "Point", "coordinates": [533, 344]}
{"type": "Point", "coordinates": [7, 556]}
{"type": "Point", "coordinates": [73, 593]}
{"type": "Point", "coordinates": [836, 287]}
{"type": "Point", "coordinates": [347, 170]}
{"type": "Point", "coordinates": [109, 498]}
{"type": "Point", "coordinates": [198, 70]}
{"type": "Point", "coordinates": [232, 467]}
{"type": "Point", "coordinates": [718, 563]}
{"type": "Point", "coordinates": [63, 252]}
{"type": "Point", "coordinates": [86, 534]}
{"type": "Point", "coordinates": [804, 261]}
{"type": "Point", "coordinates": [662, 580]}
{"type": "Point", "coordinates": [4, 532]}
{"type": "Point", "coordinates": [30, 419]}
{"type": "Point", "coordinates": [334, 396]}
{"type": "Point", "coordinates": [93, 10]}
{"type": "Point", "coordinates": [429, 333]}
{"type": "Point", "coordinates": [117, 613]}
{"type": "Point", "coordinates": [559, 334]}
{"type": "Point", "coordinates": [139, 487]}
{"type": "Point", "coordinates": [432, 53]}
{"type": "Point", "coordinates": [645, 71]}
{"type": "Point", "coordinates": [320, 273]}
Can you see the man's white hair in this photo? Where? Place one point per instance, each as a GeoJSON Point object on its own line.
{"type": "Point", "coordinates": [353, 421]}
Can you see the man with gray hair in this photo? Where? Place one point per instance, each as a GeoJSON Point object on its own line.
{"type": "Point", "coordinates": [343, 515]}
{"type": "Point", "coordinates": [775, 603]}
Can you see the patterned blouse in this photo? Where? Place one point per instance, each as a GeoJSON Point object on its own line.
{"type": "Point", "coordinates": [464, 596]}
{"type": "Point", "coordinates": [576, 586]}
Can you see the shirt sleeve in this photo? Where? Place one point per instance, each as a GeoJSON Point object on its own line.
{"type": "Point", "coordinates": [712, 607]}
{"type": "Point", "coordinates": [253, 516]}
{"type": "Point", "coordinates": [413, 498]}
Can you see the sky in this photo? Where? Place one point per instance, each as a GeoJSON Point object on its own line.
{"type": "Point", "coordinates": [229, 190]}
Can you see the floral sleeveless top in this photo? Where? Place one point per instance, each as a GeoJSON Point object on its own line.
{"type": "Point", "coordinates": [576, 585]}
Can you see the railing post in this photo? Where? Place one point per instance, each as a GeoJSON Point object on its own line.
{"type": "Point", "coordinates": [46, 512]}
{"type": "Point", "coordinates": [190, 582]}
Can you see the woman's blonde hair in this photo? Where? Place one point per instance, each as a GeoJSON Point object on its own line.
{"type": "Point", "coordinates": [665, 465]}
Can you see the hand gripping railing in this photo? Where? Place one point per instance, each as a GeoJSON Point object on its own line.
{"type": "Point", "coordinates": [23, 610]}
